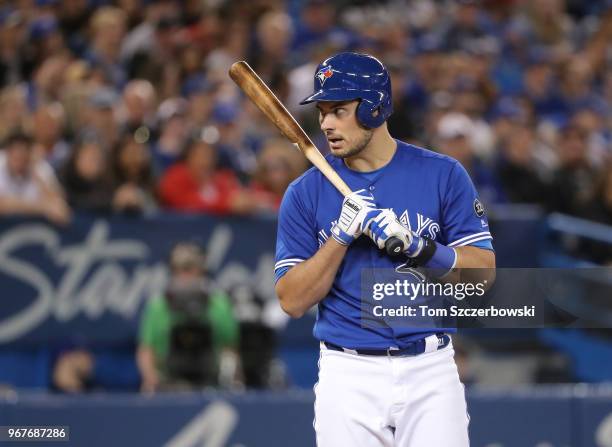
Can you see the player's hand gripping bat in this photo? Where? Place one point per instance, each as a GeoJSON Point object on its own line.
{"type": "Point", "coordinates": [246, 78]}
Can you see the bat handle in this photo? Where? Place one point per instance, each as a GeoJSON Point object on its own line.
{"type": "Point", "coordinates": [394, 246]}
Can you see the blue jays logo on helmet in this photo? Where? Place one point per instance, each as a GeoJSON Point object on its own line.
{"type": "Point", "coordinates": [324, 74]}
{"type": "Point", "coordinates": [355, 76]}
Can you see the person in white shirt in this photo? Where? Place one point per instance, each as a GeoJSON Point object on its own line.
{"type": "Point", "coordinates": [29, 186]}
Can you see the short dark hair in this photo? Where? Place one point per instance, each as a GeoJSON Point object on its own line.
{"type": "Point", "coordinates": [18, 137]}
{"type": "Point", "coordinates": [193, 141]}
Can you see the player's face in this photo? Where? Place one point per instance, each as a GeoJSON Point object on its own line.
{"type": "Point", "coordinates": [346, 138]}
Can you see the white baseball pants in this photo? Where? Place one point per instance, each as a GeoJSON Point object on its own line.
{"type": "Point", "coordinates": [383, 401]}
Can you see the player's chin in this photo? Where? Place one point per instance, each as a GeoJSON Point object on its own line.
{"type": "Point", "coordinates": [340, 150]}
{"type": "Point", "coordinates": [340, 153]}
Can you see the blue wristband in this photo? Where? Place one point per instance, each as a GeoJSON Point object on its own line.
{"type": "Point", "coordinates": [444, 258]}
{"type": "Point", "coordinates": [436, 256]}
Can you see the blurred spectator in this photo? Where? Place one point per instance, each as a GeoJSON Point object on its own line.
{"type": "Point", "coordinates": [205, 28]}
{"type": "Point", "coordinates": [195, 184]}
{"type": "Point", "coordinates": [101, 120]}
{"type": "Point", "coordinates": [517, 167]}
{"type": "Point", "coordinates": [278, 164]}
{"type": "Point", "coordinates": [13, 109]}
{"type": "Point", "coordinates": [545, 26]}
{"type": "Point", "coordinates": [505, 115]}
{"type": "Point", "coordinates": [473, 103]}
{"type": "Point", "coordinates": [599, 207]}
{"type": "Point", "coordinates": [234, 152]}
{"type": "Point", "coordinates": [47, 81]}
{"type": "Point", "coordinates": [48, 130]}
{"type": "Point", "coordinates": [191, 62]}
{"type": "Point", "coordinates": [453, 138]}
{"type": "Point", "coordinates": [12, 38]}
{"type": "Point", "coordinates": [133, 10]}
{"type": "Point", "coordinates": [575, 181]}
{"type": "Point", "coordinates": [188, 336]}
{"type": "Point", "coordinates": [316, 25]}
{"type": "Point", "coordinates": [575, 86]}
{"type": "Point", "coordinates": [273, 35]}
{"type": "Point", "coordinates": [299, 81]}
{"type": "Point", "coordinates": [540, 89]}
{"type": "Point", "coordinates": [467, 28]}
{"type": "Point", "coordinates": [201, 96]}
{"type": "Point", "coordinates": [141, 38]}
{"type": "Point", "coordinates": [44, 40]}
{"type": "Point", "coordinates": [75, 96]}
{"type": "Point", "coordinates": [591, 121]}
{"type": "Point", "coordinates": [173, 132]}
{"type": "Point", "coordinates": [133, 181]}
{"type": "Point", "coordinates": [85, 178]}
{"type": "Point", "coordinates": [108, 29]}
{"type": "Point", "coordinates": [150, 60]}
{"type": "Point", "coordinates": [423, 81]}
{"type": "Point", "coordinates": [74, 16]}
{"type": "Point", "coordinates": [29, 186]}
{"type": "Point", "coordinates": [138, 107]}
{"type": "Point", "coordinates": [232, 48]}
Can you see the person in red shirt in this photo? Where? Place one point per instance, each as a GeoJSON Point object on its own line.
{"type": "Point", "coordinates": [196, 185]}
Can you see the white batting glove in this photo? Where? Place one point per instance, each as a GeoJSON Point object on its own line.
{"type": "Point", "coordinates": [355, 208]}
{"type": "Point", "coordinates": [382, 224]}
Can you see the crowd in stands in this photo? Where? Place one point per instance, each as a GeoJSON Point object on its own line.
{"type": "Point", "coordinates": [126, 106]}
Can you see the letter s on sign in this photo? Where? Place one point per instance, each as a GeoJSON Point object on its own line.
{"type": "Point", "coordinates": [22, 322]}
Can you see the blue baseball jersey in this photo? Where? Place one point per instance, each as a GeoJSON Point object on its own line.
{"type": "Point", "coordinates": [432, 195]}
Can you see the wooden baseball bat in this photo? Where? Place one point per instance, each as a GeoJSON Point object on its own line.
{"type": "Point", "coordinates": [251, 84]}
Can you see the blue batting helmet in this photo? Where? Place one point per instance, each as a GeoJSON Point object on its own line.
{"type": "Point", "coordinates": [348, 76]}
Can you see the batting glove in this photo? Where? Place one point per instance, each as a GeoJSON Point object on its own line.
{"type": "Point", "coordinates": [355, 208]}
{"type": "Point", "coordinates": [382, 224]}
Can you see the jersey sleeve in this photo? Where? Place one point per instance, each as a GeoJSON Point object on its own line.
{"type": "Point", "coordinates": [464, 218]}
{"type": "Point", "coordinates": [296, 238]}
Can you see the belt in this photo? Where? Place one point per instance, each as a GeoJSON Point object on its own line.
{"type": "Point", "coordinates": [427, 344]}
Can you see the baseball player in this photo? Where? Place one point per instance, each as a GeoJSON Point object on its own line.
{"type": "Point", "coordinates": [382, 386]}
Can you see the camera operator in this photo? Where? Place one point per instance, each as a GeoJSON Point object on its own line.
{"type": "Point", "coordinates": [188, 336]}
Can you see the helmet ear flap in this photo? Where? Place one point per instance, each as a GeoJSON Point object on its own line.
{"type": "Point", "coordinates": [370, 115]}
